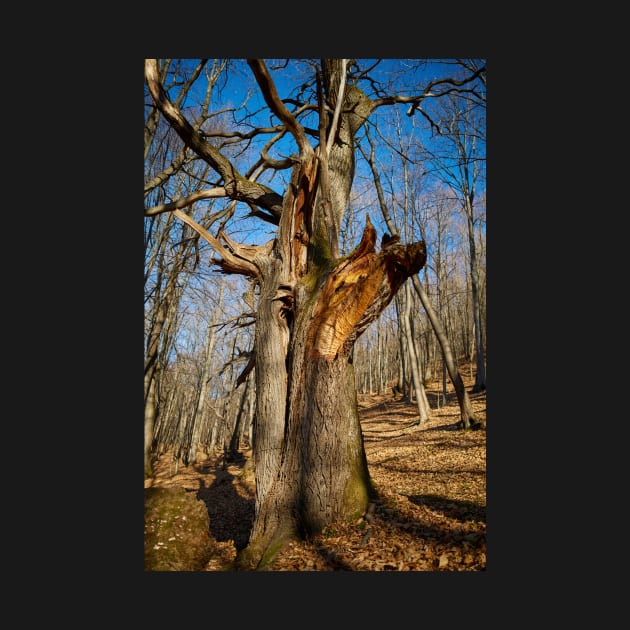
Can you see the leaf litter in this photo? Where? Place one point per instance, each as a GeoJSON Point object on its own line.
{"type": "Point", "coordinates": [430, 514]}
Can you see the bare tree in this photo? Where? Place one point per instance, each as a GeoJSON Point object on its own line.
{"type": "Point", "coordinates": [461, 165]}
{"type": "Point", "coordinates": [312, 304]}
{"type": "Point", "coordinates": [170, 248]}
{"type": "Point", "coordinates": [467, 416]}
{"type": "Point", "coordinates": [164, 293]}
{"type": "Point", "coordinates": [416, 378]}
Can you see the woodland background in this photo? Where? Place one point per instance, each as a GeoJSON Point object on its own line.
{"type": "Point", "coordinates": [422, 173]}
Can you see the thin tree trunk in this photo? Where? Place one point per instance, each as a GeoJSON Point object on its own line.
{"type": "Point", "coordinates": [241, 417]}
{"type": "Point", "coordinates": [379, 358]}
{"type": "Point", "coordinates": [413, 360]}
{"type": "Point", "coordinates": [149, 420]}
{"type": "Point", "coordinates": [443, 382]}
{"type": "Point", "coordinates": [402, 363]}
{"type": "Point", "coordinates": [205, 377]}
{"type": "Point", "coordinates": [384, 380]}
{"type": "Point", "coordinates": [480, 377]}
{"type": "Point", "coordinates": [370, 370]}
{"type": "Point", "coordinates": [161, 333]}
{"type": "Point", "coordinates": [467, 418]}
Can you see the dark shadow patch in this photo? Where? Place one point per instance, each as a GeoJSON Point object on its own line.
{"type": "Point", "coordinates": [331, 559]}
{"type": "Point", "coordinates": [455, 509]}
{"type": "Point", "coordinates": [223, 492]}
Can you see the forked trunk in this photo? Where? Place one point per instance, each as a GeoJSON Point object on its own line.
{"type": "Point", "coordinates": [309, 458]}
{"type": "Point", "coordinates": [323, 474]}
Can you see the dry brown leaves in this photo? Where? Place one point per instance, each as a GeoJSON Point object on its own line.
{"type": "Point", "coordinates": [430, 514]}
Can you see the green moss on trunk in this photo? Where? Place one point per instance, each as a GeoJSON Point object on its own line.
{"type": "Point", "coordinates": [259, 556]}
{"type": "Point", "coordinates": [320, 253]}
{"type": "Point", "coordinates": [356, 498]}
{"type": "Point", "coordinates": [270, 554]}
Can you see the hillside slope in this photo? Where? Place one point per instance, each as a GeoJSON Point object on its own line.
{"type": "Point", "coordinates": [430, 514]}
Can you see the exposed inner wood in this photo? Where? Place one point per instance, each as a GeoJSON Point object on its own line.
{"type": "Point", "coordinates": [358, 290]}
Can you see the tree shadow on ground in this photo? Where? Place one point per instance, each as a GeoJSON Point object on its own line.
{"type": "Point", "coordinates": [380, 437]}
{"type": "Point", "coordinates": [396, 414]}
{"type": "Point", "coordinates": [447, 533]}
{"type": "Point", "coordinates": [455, 509]}
{"type": "Point", "coordinates": [333, 560]}
{"type": "Point", "coordinates": [412, 469]}
{"type": "Point", "coordinates": [222, 492]}
{"type": "Point", "coordinates": [437, 400]}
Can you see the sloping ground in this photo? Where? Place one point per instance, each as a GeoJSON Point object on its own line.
{"type": "Point", "coordinates": [430, 515]}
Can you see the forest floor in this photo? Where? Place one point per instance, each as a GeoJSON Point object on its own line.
{"type": "Point", "coordinates": [430, 514]}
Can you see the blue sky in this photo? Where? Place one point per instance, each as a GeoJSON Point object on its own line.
{"type": "Point", "coordinates": [241, 80]}
{"type": "Point", "coordinates": [412, 77]}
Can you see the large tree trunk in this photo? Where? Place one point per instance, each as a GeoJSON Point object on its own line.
{"type": "Point", "coordinates": [270, 347]}
{"type": "Point", "coordinates": [323, 475]}
{"type": "Point", "coordinates": [309, 459]}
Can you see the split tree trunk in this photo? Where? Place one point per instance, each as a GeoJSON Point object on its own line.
{"type": "Point", "coordinates": [310, 463]}
{"type": "Point", "coordinates": [323, 474]}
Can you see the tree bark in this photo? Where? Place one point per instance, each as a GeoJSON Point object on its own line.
{"type": "Point", "coordinates": [309, 458]}
{"type": "Point", "coordinates": [480, 376]}
{"type": "Point", "coordinates": [149, 421]}
{"type": "Point", "coordinates": [416, 379]}
{"type": "Point", "coordinates": [323, 473]}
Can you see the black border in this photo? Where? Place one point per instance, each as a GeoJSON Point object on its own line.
{"type": "Point", "coordinates": [104, 265]}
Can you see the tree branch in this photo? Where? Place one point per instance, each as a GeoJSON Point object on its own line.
{"type": "Point", "coordinates": [185, 201]}
{"type": "Point", "coordinates": [236, 186]}
{"type": "Point", "coordinates": [358, 290]}
{"type": "Point", "coordinates": [276, 105]}
{"type": "Point", "coordinates": [427, 92]}
{"type": "Point", "coordinates": [232, 262]}
{"type": "Point", "coordinates": [335, 121]}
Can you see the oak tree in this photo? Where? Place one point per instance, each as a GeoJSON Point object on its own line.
{"type": "Point", "coordinates": [312, 303]}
